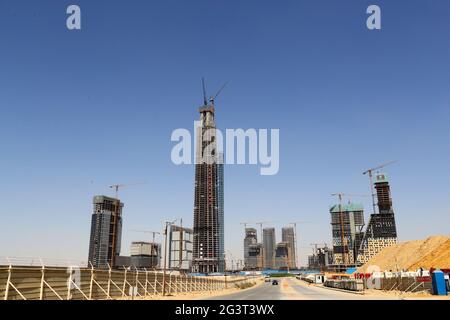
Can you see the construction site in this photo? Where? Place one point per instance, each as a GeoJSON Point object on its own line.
{"type": "Point", "coordinates": [354, 242]}
{"type": "Point", "coordinates": [362, 256]}
{"type": "Point", "coordinates": [372, 258]}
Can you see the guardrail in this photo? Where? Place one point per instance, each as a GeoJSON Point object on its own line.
{"type": "Point", "coordinates": [73, 283]}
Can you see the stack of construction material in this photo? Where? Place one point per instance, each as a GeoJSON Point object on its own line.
{"type": "Point", "coordinates": [351, 285]}
{"type": "Point", "coordinates": [433, 252]}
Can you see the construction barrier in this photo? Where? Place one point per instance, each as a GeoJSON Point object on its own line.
{"type": "Point", "coordinates": [58, 283]}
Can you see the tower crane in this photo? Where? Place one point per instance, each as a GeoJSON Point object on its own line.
{"type": "Point", "coordinates": [154, 233]}
{"type": "Point", "coordinates": [212, 99]}
{"type": "Point", "coordinates": [116, 187]}
{"type": "Point", "coordinates": [245, 224]}
{"type": "Point", "coordinates": [114, 218]}
{"type": "Point", "coordinates": [370, 173]}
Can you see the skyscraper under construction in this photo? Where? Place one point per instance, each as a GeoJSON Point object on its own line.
{"type": "Point", "coordinates": [288, 236]}
{"type": "Point", "coordinates": [106, 231]}
{"type": "Point", "coordinates": [269, 244]}
{"type": "Point", "coordinates": [208, 251]}
{"type": "Point", "coordinates": [347, 221]}
{"type": "Point", "coordinates": [251, 239]}
{"type": "Point", "coordinates": [381, 231]}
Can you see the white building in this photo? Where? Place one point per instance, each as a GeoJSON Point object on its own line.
{"type": "Point", "coordinates": [180, 248]}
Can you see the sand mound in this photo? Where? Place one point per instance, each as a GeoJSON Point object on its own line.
{"type": "Point", "coordinates": [439, 258]}
{"type": "Point", "coordinates": [412, 255]}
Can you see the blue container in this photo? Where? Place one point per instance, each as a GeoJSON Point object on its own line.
{"type": "Point", "coordinates": [438, 281]}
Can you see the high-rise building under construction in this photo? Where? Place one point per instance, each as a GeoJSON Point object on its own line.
{"type": "Point", "coordinates": [106, 232]}
{"type": "Point", "coordinates": [347, 221]}
{"type": "Point", "coordinates": [288, 236]}
{"type": "Point", "coordinates": [269, 244]}
{"type": "Point", "coordinates": [208, 251]}
{"type": "Point", "coordinates": [282, 254]}
{"type": "Point", "coordinates": [381, 231]}
{"type": "Point", "coordinates": [250, 240]}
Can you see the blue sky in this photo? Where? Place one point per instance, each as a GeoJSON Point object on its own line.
{"type": "Point", "coordinates": [81, 110]}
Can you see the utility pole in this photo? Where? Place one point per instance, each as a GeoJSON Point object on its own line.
{"type": "Point", "coordinates": [167, 223]}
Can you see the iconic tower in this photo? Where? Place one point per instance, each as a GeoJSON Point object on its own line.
{"type": "Point", "coordinates": [381, 231]}
{"type": "Point", "coordinates": [383, 194]}
{"type": "Point", "coordinates": [208, 251]}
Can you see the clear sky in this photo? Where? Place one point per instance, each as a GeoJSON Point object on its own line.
{"type": "Point", "coordinates": [81, 110]}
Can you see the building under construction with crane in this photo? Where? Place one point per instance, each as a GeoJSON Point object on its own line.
{"type": "Point", "coordinates": [381, 231]}
{"type": "Point", "coordinates": [347, 221]}
{"type": "Point", "coordinates": [208, 239]}
{"type": "Point", "coordinates": [352, 246]}
{"type": "Point", "coordinates": [106, 232]}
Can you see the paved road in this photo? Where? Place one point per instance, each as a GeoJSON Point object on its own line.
{"type": "Point", "coordinates": [290, 289]}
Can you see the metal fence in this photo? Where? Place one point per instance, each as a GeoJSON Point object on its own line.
{"type": "Point", "coordinates": [403, 284]}
{"type": "Point", "coordinates": [73, 283]}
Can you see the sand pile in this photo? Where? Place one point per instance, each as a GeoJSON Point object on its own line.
{"type": "Point", "coordinates": [412, 255]}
